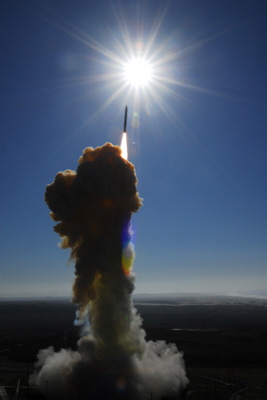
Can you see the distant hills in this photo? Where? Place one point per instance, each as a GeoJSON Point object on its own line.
{"type": "Point", "coordinates": [175, 299]}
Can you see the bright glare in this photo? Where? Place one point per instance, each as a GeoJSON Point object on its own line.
{"type": "Point", "coordinates": [124, 149]}
{"type": "Point", "coordinates": [138, 72]}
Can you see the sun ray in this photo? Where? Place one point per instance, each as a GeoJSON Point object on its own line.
{"type": "Point", "coordinates": [106, 104]}
{"type": "Point", "coordinates": [154, 31]}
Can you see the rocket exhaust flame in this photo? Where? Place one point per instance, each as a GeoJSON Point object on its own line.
{"type": "Point", "coordinates": [124, 147]}
{"type": "Point", "coordinates": [93, 208]}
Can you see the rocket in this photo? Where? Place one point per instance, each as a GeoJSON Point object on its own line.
{"type": "Point", "coordinates": [124, 151]}
{"type": "Point", "coordinates": [125, 119]}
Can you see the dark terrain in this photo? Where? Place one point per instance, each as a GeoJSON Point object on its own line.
{"type": "Point", "coordinates": [223, 340]}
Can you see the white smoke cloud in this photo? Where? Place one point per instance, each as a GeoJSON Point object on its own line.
{"type": "Point", "coordinates": [128, 372]}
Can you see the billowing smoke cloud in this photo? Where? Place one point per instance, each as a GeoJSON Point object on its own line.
{"type": "Point", "coordinates": [93, 209]}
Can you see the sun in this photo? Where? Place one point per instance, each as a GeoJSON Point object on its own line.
{"type": "Point", "coordinates": [138, 72]}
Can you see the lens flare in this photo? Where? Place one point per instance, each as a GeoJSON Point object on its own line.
{"type": "Point", "coordinates": [128, 253]}
{"type": "Point", "coordinates": [123, 146]}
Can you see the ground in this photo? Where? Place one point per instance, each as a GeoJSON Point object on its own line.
{"type": "Point", "coordinates": [224, 342]}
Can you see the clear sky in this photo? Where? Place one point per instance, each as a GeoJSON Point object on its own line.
{"type": "Point", "coordinates": [196, 133]}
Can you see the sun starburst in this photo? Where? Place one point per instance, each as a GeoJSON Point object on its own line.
{"type": "Point", "coordinates": [136, 66]}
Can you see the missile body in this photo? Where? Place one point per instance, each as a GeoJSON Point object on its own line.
{"type": "Point", "coordinates": [125, 119]}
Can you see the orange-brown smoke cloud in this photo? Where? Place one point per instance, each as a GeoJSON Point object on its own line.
{"type": "Point", "coordinates": [93, 208]}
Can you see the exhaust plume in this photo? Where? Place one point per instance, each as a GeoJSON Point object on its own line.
{"type": "Point", "coordinates": [93, 209]}
{"type": "Point", "coordinates": [124, 147]}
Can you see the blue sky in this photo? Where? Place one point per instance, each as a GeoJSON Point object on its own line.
{"type": "Point", "coordinates": [197, 135]}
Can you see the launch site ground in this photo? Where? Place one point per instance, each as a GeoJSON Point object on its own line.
{"type": "Point", "coordinates": [224, 341]}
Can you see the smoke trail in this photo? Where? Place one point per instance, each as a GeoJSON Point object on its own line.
{"type": "Point", "coordinates": [93, 209]}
